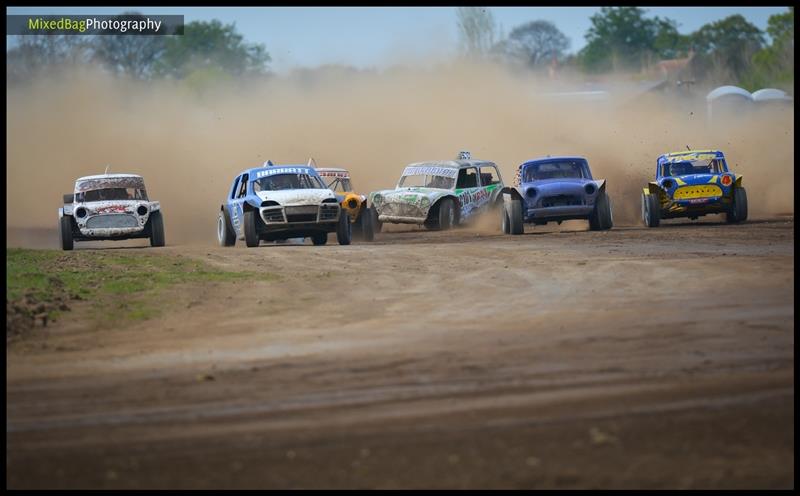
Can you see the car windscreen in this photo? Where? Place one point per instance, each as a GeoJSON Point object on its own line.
{"type": "Point", "coordinates": [557, 169]}
{"type": "Point", "coordinates": [338, 184]}
{"type": "Point", "coordinates": [111, 194]}
{"type": "Point", "coordinates": [687, 167]}
{"type": "Point", "coordinates": [428, 175]}
{"type": "Point", "coordinates": [278, 182]}
{"type": "Point", "coordinates": [426, 181]}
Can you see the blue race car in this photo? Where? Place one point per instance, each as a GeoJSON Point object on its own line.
{"type": "Point", "coordinates": [555, 189]}
{"type": "Point", "coordinates": [692, 184]}
{"type": "Point", "coordinates": [278, 202]}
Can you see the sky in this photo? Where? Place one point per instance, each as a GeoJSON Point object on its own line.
{"type": "Point", "coordinates": [376, 37]}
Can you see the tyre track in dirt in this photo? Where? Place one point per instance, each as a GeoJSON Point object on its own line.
{"type": "Point", "coordinates": [454, 339]}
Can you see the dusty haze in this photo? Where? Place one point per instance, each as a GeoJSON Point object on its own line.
{"type": "Point", "coordinates": [188, 147]}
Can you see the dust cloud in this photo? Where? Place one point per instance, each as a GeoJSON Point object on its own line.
{"type": "Point", "coordinates": [189, 145]}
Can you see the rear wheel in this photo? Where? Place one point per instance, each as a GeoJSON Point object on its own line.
{"type": "Point", "coordinates": [250, 233]}
{"type": "Point", "coordinates": [65, 232]}
{"type": "Point", "coordinates": [651, 210]}
{"type": "Point", "coordinates": [156, 229]}
{"type": "Point", "coordinates": [505, 222]}
{"type": "Point", "coordinates": [225, 234]}
{"type": "Point", "coordinates": [514, 212]}
{"type": "Point", "coordinates": [319, 238]}
{"type": "Point", "coordinates": [738, 212]}
{"type": "Point", "coordinates": [344, 231]}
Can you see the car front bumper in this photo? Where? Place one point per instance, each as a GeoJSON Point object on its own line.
{"type": "Point", "coordinates": [280, 218]}
{"type": "Point", "coordinates": [559, 212]}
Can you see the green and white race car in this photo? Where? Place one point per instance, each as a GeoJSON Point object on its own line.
{"type": "Point", "coordinates": [439, 194]}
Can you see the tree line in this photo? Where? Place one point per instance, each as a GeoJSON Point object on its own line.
{"type": "Point", "coordinates": [728, 51]}
{"type": "Point", "coordinates": [206, 50]}
{"type": "Point", "coordinates": [731, 50]}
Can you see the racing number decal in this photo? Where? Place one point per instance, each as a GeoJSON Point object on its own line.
{"type": "Point", "coordinates": [235, 216]}
{"type": "Point", "coordinates": [472, 199]}
{"type": "Point", "coordinates": [238, 207]}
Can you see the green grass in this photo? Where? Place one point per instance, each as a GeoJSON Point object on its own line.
{"type": "Point", "coordinates": [102, 277]}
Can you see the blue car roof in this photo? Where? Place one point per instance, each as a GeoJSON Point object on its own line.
{"type": "Point", "coordinates": [296, 169]}
{"type": "Point", "coordinates": [549, 159]}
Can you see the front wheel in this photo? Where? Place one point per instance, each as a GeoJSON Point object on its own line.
{"type": "Point", "coordinates": [250, 234]}
{"type": "Point", "coordinates": [651, 210]}
{"type": "Point", "coordinates": [156, 229]}
{"type": "Point", "coordinates": [65, 232]}
{"type": "Point", "coordinates": [377, 225]}
{"type": "Point", "coordinates": [225, 234]}
{"type": "Point", "coordinates": [367, 230]}
{"type": "Point", "coordinates": [738, 212]}
{"type": "Point", "coordinates": [344, 231]}
{"type": "Point", "coordinates": [600, 218]}
{"type": "Point", "coordinates": [447, 216]}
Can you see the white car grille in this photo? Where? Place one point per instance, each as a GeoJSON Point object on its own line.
{"type": "Point", "coordinates": [111, 221]}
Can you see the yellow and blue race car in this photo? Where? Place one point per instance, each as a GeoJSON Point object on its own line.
{"type": "Point", "coordinates": [692, 184]}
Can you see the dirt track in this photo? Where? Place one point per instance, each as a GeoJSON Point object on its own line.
{"type": "Point", "coordinates": [629, 358]}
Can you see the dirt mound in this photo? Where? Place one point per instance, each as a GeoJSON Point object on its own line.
{"type": "Point", "coordinates": [28, 312]}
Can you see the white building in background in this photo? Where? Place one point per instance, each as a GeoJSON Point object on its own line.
{"type": "Point", "coordinates": [732, 101]}
{"type": "Point", "coordinates": [772, 96]}
{"type": "Point", "coordinates": [727, 102]}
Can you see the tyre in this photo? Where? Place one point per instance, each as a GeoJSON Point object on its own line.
{"type": "Point", "coordinates": [447, 215]}
{"type": "Point", "coordinates": [651, 210]}
{"type": "Point", "coordinates": [225, 234]}
{"type": "Point", "coordinates": [610, 216]}
{"type": "Point", "coordinates": [65, 232]}
{"type": "Point", "coordinates": [156, 229]}
{"type": "Point", "coordinates": [600, 218]}
{"type": "Point", "coordinates": [344, 231]}
{"type": "Point", "coordinates": [376, 224]}
{"type": "Point", "coordinates": [358, 227]}
{"type": "Point", "coordinates": [367, 232]}
{"type": "Point", "coordinates": [738, 212]}
{"type": "Point", "coordinates": [319, 238]}
{"type": "Point", "coordinates": [250, 232]}
{"type": "Point", "coordinates": [505, 222]}
{"type": "Point", "coordinates": [514, 212]}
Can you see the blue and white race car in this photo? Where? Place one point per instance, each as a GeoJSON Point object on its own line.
{"type": "Point", "coordinates": [279, 202]}
{"type": "Point", "coordinates": [555, 189]}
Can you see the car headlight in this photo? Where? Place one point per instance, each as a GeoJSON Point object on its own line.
{"type": "Point", "coordinates": [377, 199]}
{"type": "Point", "coordinates": [352, 203]}
{"type": "Point", "coordinates": [425, 202]}
{"type": "Point", "coordinates": [142, 210]}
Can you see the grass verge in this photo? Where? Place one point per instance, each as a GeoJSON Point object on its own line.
{"type": "Point", "coordinates": [41, 284]}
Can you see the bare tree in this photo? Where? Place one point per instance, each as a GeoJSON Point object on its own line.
{"type": "Point", "coordinates": [476, 27]}
{"type": "Point", "coordinates": [536, 43]}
